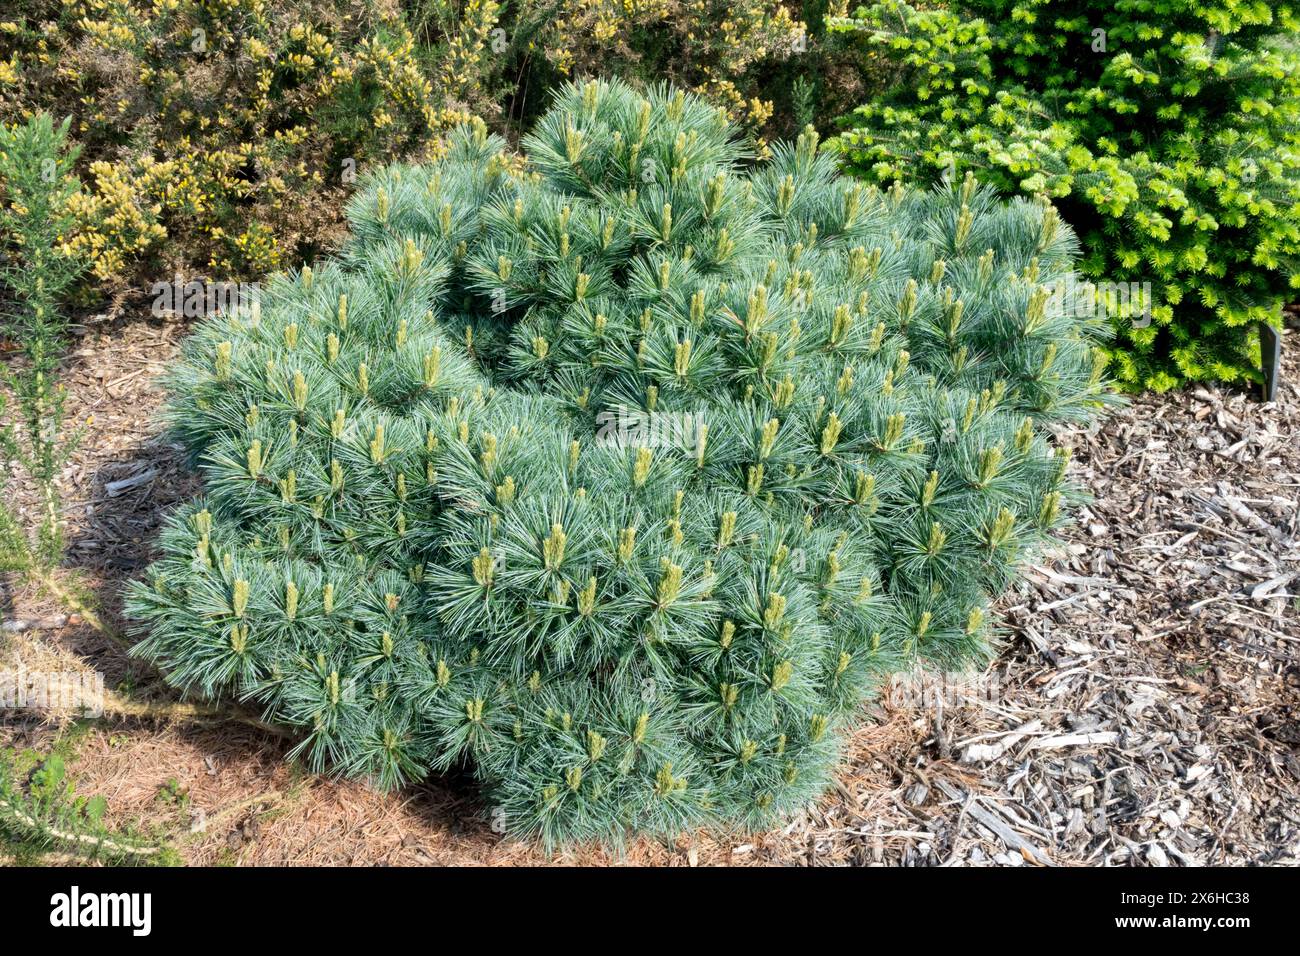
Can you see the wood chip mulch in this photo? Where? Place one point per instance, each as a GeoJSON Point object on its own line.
{"type": "Point", "coordinates": [1143, 711]}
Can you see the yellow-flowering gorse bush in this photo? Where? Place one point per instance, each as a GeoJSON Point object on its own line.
{"type": "Point", "coordinates": [218, 134]}
{"type": "Point", "coordinates": [722, 49]}
{"type": "Point", "coordinates": [223, 136]}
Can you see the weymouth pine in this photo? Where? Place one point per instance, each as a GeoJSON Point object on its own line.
{"type": "Point", "coordinates": [430, 537]}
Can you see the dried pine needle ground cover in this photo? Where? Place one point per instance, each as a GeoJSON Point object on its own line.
{"type": "Point", "coordinates": [1142, 712]}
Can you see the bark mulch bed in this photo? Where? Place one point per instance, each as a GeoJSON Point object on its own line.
{"type": "Point", "coordinates": [1143, 711]}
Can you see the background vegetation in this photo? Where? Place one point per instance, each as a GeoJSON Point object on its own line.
{"type": "Point", "coordinates": [1166, 131]}
{"type": "Point", "coordinates": [222, 137]}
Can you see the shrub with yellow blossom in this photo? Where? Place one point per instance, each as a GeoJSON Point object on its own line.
{"type": "Point", "coordinates": [225, 135]}
{"type": "Point", "coordinates": [218, 135]}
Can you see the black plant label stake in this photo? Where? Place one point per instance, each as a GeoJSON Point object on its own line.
{"type": "Point", "coordinates": [1270, 349]}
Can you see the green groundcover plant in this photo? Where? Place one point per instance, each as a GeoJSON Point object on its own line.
{"type": "Point", "coordinates": [41, 814]}
{"type": "Point", "coordinates": [1166, 131]}
{"type": "Point", "coordinates": [622, 472]}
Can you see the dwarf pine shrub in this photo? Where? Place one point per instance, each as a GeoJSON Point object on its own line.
{"type": "Point", "coordinates": [622, 471]}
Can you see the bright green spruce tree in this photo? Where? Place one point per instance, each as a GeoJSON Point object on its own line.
{"type": "Point", "coordinates": [1167, 132]}
{"type": "Point", "coordinates": [621, 471]}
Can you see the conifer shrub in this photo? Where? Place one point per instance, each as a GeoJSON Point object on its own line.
{"type": "Point", "coordinates": [446, 521]}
